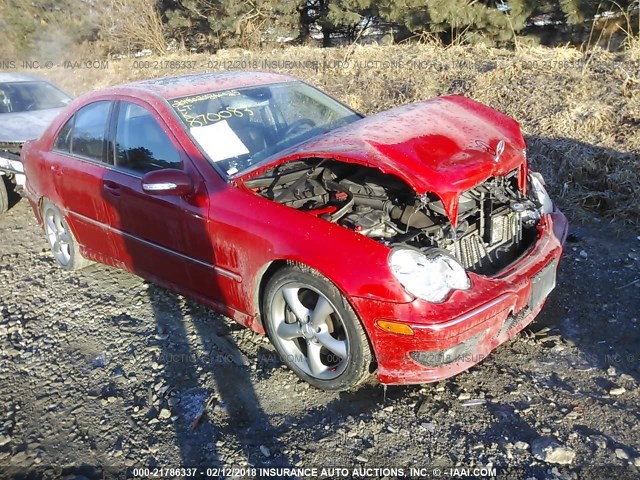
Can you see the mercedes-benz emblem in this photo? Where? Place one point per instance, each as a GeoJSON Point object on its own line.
{"type": "Point", "coordinates": [499, 151]}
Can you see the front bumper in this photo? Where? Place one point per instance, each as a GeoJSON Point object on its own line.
{"type": "Point", "coordinates": [451, 337]}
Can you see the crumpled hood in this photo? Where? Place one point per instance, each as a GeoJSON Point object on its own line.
{"type": "Point", "coordinates": [444, 146]}
{"type": "Point", "coordinates": [23, 126]}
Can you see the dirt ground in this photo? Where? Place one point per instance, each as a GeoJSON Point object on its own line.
{"type": "Point", "coordinates": [100, 368]}
{"type": "Point", "coordinates": [101, 371]}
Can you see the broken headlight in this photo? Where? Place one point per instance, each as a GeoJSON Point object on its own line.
{"type": "Point", "coordinates": [428, 276]}
{"type": "Point", "coordinates": [540, 193]}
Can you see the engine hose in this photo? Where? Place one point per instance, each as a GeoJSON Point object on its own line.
{"type": "Point", "coordinates": [408, 215]}
{"type": "Point", "coordinates": [377, 203]}
{"type": "Point", "coordinates": [344, 209]}
{"type": "Point", "coordinates": [411, 217]}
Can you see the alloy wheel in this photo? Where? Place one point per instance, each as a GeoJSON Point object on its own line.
{"type": "Point", "coordinates": [310, 331]}
{"type": "Point", "coordinates": [58, 236]}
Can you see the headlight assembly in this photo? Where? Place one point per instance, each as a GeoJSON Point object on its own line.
{"type": "Point", "coordinates": [428, 276]}
{"type": "Point", "coordinates": [540, 193]}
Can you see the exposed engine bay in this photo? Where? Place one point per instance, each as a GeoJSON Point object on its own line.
{"type": "Point", "coordinates": [496, 222]}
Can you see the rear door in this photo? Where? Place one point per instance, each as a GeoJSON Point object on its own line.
{"type": "Point", "coordinates": [78, 163]}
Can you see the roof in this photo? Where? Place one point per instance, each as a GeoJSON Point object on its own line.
{"type": "Point", "coordinates": [19, 77]}
{"type": "Point", "coordinates": [198, 83]}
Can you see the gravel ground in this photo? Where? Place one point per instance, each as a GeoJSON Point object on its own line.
{"type": "Point", "coordinates": [102, 369]}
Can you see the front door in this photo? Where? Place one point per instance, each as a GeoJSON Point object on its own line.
{"type": "Point", "coordinates": [163, 237]}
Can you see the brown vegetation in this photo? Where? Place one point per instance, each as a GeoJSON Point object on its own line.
{"type": "Point", "coordinates": [580, 112]}
{"type": "Point", "coordinates": [130, 25]}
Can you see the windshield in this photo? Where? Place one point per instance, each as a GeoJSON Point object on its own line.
{"type": "Point", "coordinates": [29, 96]}
{"type": "Point", "coordinates": [238, 128]}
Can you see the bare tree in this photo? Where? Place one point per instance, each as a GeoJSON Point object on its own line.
{"type": "Point", "coordinates": [133, 24]}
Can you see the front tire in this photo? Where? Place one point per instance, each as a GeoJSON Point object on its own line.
{"type": "Point", "coordinates": [62, 242]}
{"type": "Point", "coordinates": [314, 330]}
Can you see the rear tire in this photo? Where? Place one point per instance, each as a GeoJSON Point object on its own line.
{"type": "Point", "coordinates": [315, 331]}
{"type": "Point", "coordinates": [4, 194]}
{"type": "Point", "coordinates": [62, 242]}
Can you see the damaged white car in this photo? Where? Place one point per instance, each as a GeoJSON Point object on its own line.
{"type": "Point", "coordinates": [28, 104]}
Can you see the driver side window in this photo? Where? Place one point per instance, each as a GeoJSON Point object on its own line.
{"type": "Point", "coordinates": [141, 143]}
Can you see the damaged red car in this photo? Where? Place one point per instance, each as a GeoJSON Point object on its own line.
{"type": "Point", "coordinates": [405, 245]}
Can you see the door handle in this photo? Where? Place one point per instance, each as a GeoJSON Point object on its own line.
{"type": "Point", "coordinates": [56, 169]}
{"type": "Point", "coordinates": [111, 187]}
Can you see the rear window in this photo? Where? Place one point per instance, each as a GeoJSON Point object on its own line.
{"type": "Point", "coordinates": [63, 142]}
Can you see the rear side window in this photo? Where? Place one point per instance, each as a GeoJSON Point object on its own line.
{"type": "Point", "coordinates": [63, 142]}
{"type": "Point", "coordinates": [87, 134]}
{"type": "Point", "coordinates": [141, 143]}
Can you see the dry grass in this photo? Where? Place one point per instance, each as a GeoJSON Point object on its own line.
{"type": "Point", "coordinates": [580, 112]}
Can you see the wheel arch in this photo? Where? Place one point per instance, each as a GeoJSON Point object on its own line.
{"type": "Point", "coordinates": [63, 211]}
{"type": "Point", "coordinates": [269, 269]}
{"type": "Point", "coordinates": [266, 273]}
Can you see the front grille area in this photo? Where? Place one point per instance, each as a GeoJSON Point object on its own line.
{"type": "Point", "coordinates": [509, 240]}
{"type": "Point", "coordinates": [513, 320]}
{"type": "Point", "coordinates": [492, 233]}
{"type": "Point", "coordinates": [475, 254]}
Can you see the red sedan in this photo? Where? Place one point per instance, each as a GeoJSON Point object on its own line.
{"type": "Point", "coordinates": [407, 244]}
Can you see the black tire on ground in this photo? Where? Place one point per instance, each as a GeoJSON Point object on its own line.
{"type": "Point", "coordinates": [4, 194]}
{"type": "Point", "coordinates": [314, 330]}
{"type": "Point", "coordinates": [62, 242]}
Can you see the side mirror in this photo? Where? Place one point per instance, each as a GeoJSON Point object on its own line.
{"type": "Point", "coordinates": [167, 182]}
